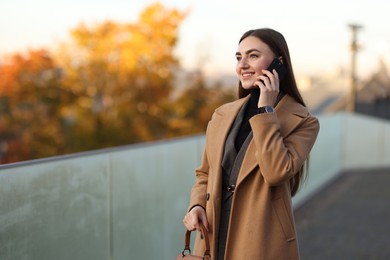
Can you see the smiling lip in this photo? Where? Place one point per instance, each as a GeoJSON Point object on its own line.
{"type": "Point", "coordinates": [247, 75]}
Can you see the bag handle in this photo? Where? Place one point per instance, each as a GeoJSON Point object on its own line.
{"type": "Point", "coordinates": [187, 238]}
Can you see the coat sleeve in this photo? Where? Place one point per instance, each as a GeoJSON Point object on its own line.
{"type": "Point", "coordinates": [198, 192]}
{"type": "Point", "coordinates": [281, 157]}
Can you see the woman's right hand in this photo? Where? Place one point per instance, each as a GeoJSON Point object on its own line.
{"type": "Point", "coordinates": [192, 218]}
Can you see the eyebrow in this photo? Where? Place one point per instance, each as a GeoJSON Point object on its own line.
{"type": "Point", "coordinates": [248, 51]}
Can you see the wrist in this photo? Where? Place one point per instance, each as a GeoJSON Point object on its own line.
{"type": "Point", "coordinates": [265, 109]}
{"type": "Point", "coordinates": [195, 207]}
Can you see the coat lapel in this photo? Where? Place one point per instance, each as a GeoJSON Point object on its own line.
{"type": "Point", "coordinates": [219, 126]}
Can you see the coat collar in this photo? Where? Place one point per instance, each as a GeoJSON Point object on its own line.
{"type": "Point", "coordinates": [289, 112]}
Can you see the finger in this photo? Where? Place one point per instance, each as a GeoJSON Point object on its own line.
{"type": "Point", "coordinates": [267, 72]}
{"type": "Point", "coordinates": [185, 222]}
{"type": "Point", "coordinates": [276, 75]}
{"type": "Point", "coordinates": [205, 222]}
{"type": "Point", "coordinates": [189, 222]}
{"type": "Point", "coordinates": [271, 79]}
{"type": "Point", "coordinates": [275, 79]}
{"type": "Point", "coordinates": [195, 220]}
{"type": "Point", "coordinates": [265, 83]}
{"type": "Point", "coordinates": [259, 81]}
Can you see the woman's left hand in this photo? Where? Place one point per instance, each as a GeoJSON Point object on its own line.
{"type": "Point", "coordinates": [269, 88]}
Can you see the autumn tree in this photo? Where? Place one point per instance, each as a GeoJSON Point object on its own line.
{"type": "Point", "coordinates": [30, 98]}
{"type": "Point", "coordinates": [194, 106]}
{"type": "Point", "coordinates": [123, 76]}
{"type": "Point", "coordinates": [111, 84]}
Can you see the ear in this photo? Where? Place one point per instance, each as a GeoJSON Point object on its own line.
{"type": "Point", "coordinates": [281, 59]}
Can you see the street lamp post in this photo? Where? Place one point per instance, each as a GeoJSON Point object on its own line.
{"type": "Point", "coordinates": [351, 104]}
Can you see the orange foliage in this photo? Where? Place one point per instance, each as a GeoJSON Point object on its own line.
{"type": "Point", "coordinates": [28, 90]}
{"type": "Point", "coordinates": [111, 85]}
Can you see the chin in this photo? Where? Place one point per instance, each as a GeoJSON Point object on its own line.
{"type": "Point", "coordinates": [247, 86]}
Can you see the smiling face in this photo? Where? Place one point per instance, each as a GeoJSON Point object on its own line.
{"type": "Point", "coordinates": [253, 56]}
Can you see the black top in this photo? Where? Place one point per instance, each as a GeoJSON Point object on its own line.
{"type": "Point", "coordinates": [250, 110]}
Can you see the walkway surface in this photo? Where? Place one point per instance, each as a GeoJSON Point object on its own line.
{"type": "Point", "coordinates": [349, 219]}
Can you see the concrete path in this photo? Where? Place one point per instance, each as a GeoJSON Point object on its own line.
{"type": "Point", "coordinates": [349, 219]}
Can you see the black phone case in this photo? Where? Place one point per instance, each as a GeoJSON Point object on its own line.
{"type": "Point", "coordinates": [279, 67]}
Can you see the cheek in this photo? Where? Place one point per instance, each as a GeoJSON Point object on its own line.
{"type": "Point", "coordinates": [238, 69]}
{"type": "Point", "coordinates": [261, 65]}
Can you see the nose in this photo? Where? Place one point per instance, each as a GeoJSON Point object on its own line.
{"type": "Point", "coordinates": [243, 63]}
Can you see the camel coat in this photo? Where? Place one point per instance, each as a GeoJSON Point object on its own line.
{"type": "Point", "coordinates": [261, 220]}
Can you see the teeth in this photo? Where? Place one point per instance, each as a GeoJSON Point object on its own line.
{"type": "Point", "coordinates": [247, 74]}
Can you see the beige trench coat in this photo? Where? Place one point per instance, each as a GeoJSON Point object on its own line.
{"type": "Point", "coordinates": [261, 221]}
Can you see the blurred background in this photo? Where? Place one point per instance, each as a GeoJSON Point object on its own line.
{"type": "Point", "coordinates": [84, 75]}
{"type": "Point", "coordinates": [104, 105]}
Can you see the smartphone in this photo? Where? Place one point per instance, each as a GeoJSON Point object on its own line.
{"type": "Point", "coordinates": [279, 67]}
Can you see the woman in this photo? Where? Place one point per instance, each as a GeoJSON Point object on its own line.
{"type": "Point", "coordinates": [253, 163]}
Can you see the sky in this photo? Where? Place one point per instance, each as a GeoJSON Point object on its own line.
{"type": "Point", "coordinates": [317, 32]}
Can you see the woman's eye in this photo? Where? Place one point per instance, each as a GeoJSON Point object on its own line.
{"type": "Point", "coordinates": [253, 56]}
{"type": "Point", "coordinates": [238, 58]}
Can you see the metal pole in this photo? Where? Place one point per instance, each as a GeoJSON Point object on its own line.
{"type": "Point", "coordinates": [351, 104]}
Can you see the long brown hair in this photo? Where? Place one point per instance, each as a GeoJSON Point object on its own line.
{"type": "Point", "coordinates": [278, 45]}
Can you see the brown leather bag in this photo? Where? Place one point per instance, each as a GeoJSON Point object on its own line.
{"type": "Point", "coordinates": [187, 236]}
